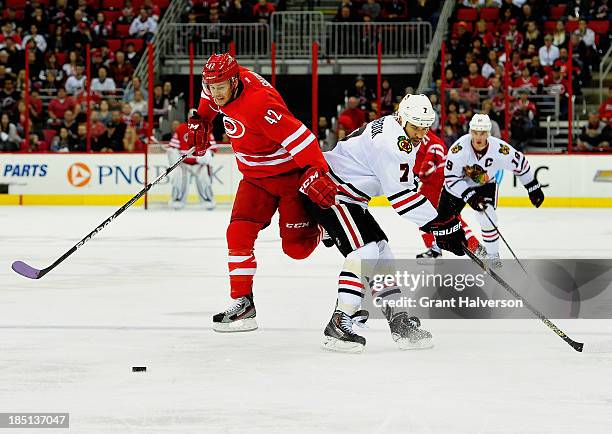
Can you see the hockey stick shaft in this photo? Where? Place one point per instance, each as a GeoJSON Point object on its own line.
{"type": "Point", "coordinates": [578, 346]}
{"type": "Point", "coordinates": [504, 240]}
{"type": "Point", "coordinates": [27, 271]}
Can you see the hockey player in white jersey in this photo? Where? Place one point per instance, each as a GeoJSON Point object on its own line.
{"type": "Point", "coordinates": [469, 177]}
{"type": "Point", "coordinates": [375, 160]}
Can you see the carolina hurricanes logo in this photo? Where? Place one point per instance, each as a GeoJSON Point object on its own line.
{"type": "Point", "coordinates": [233, 128]}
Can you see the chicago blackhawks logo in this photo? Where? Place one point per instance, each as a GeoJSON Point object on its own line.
{"type": "Point", "coordinates": [404, 144]}
{"type": "Point", "coordinates": [456, 149]}
{"type": "Point", "coordinates": [477, 174]}
{"type": "Point", "coordinates": [504, 149]}
{"type": "Point", "coordinates": [233, 128]}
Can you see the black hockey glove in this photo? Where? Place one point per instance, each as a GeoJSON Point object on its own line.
{"type": "Point", "coordinates": [473, 199]}
{"type": "Point", "coordinates": [536, 195]}
{"type": "Point", "coordinates": [449, 234]}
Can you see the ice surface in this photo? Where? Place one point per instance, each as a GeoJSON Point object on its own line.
{"type": "Point", "coordinates": [143, 291]}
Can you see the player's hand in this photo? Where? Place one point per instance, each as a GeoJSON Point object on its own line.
{"type": "Point", "coordinates": [473, 199]}
{"type": "Point", "coordinates": [536, 195]}
{"type": "Point", "coordinates": [449, 234]}
{"type": "Point", "coordinates": [319, 188]}
{"type": "Point", "coordinates": [198, 134]}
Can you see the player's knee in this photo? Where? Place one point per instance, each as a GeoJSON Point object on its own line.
{"type": "Point", "coordinates": [241, 234]}
{"type": "Point", "coordinates": [300, 249]}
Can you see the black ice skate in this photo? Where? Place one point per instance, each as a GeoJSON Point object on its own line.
{"type": "Point", "coordinates": [406, 332]}
{"type": "Point", "coordinates": [239, 317]}
{"type": "Point", "coordinates": [339, 335]}
{"type": "Point", "coordinates": [430, 255]}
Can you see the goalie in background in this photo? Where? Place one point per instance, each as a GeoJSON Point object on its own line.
{"type": "Point", "coordinates": [197, 168]}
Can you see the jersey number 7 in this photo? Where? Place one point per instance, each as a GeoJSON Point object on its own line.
{"type": "Point", "coordinates": [405, 169]}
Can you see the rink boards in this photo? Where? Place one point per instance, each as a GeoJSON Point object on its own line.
{"type": "Point", "coordinates": [111, 179]}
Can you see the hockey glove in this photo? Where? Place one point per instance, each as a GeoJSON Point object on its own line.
{"type": "Point", "coordinates": [536, 195]}
{"type": "Point", "coordinates": [449, 234]}
{"type": "Point", "coordinates": [315, 184]}
{"type": "Point", "coordinates": [473, 199]}
{"type": "Point", "coordinates": [198, 134]}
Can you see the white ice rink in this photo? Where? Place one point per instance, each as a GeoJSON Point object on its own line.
{"type": "Point", "coordinates": [143, 291]}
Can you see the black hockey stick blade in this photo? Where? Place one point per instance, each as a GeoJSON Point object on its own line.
{"type": "Point", "coordinates": [578, 346]}
{"type": "Point", "coordinates": [30, 272]}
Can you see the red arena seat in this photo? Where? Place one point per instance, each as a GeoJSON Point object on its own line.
{"type": "Point", "coordinates": [489, 14]}
{"type": "Point", "coordinates": [467, 14]}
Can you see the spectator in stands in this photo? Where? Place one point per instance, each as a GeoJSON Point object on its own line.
{"type": "Point", "coordinates": [449, 77]}
{"type": "Point", "coordinates": [605, 109]}
{"type": "Point", "coordinates": [15, 54]}
{"type": "Point", "coordinates": [153, 10]}
{"type": "Point", "coordinates": [102, 29]}
{"type": "Point", "coordinates": [464, 40]}
{"type": "Point", "coordinates": [41, 42]}
{"type": "Point", "coordinates": [75, 84]}
{"type": "Point", "coordinates": [51, 65]}
{"type": "Point", "coordinates": [36, 108]}
{"type": "Point", "coordinates": [532, 35]}
{"type": "Point", "coordinates": [523, 125]}
{"type": "Point", "coordinates": [33, 143]}
{"type": "Point", "coordinates": [592, 135]}
{"type": "Point", "coordinates": [131, 55]}
{"type": "Point", "coordinates": [60, 14]}
{"type": "Point", "coordinates": [468, 94]}
{"type": "Point", "coordinates": [424, 10]}
{"type": "Point", "coordinates": [58, 107]}
{"type": "Point", "coordinates": [144, 26]}
{"type": "Point", "coordinates": [560, 36]}
{"type": "Point", "coordinates": [50, 86]}
{"type": "Point", "coordinates": [103, 83]}
{"type": "Point", "coordinates": [96, 127]}
{"type": "Point", "coordinates": [126, 113]}
{"type": "Point", "coordinates": [112, 139]}
{"type": "Point", "coordinates": [453, 129]}
{"type": "Point", "coordinates": [61, 142]}
{"type": "Point", "coordinates": [8, 96]}
{"type": "Point", "coordinates": [136, 85]}
{"type": "Point", "coordinates": [487, 109]}
{"type": "Point", "coordinates": [173, 126]}
{"type": "Point", "coordinates": [81, 36]}
{"type": "Point", "coordinates": [127, 13]}
{"type": "Point", "coordinates": [78, 143]}
{"type": "Point", "coordinates": [490, 66]}
{"type": "Point", "coordinates": [140, 124]}
{"type": "Point", "coordinates": [239, 12]}
{"type": "Point", "coordinates": [4, 61]}
{"type": "Point", "coordinates": [161, 105]}
{"type": "Point", "coordinates": [536, 68]}
{"type": "Point", "coordinates": [473, 3]}
{"type": "Point", "coordinates": [8, 32]}
{"type": "Point", "coordinates": [120, 70]}
{"type": "Point", "coordinates": [104, 113]}
{"type": "Point", "coordinates": [70, 67]}
{"type": "Point", "coordinates": [138, 104]}
{"type": "Point", "coordinates": [370, 10]}
{"type": "Point", "coordinates": [364, 95]}
{"type": "Point", "coordinates": [168, 92]}
{"type": "Point", "coordinates": [346, 15]}
{"type": "Point", "coordinates": [548, 53]}
{"type": "Point", "coordinates": [461, 106]}
{"type": "Point", "coordinates": [58, 41]}
{"type": "Point", "coordinates": [69, 122]}
{"type": "Point", "coordinates": [476, 79]}
{"type": "Point", "coordinates": [526, 81]}
{"type": "Point", "coordinates": [131, 142]}
{"type": "Point", "coordinates": [10, 139]}
{"type": "Point", "coordinates": [395, 10]}
{"type": "Point", "coordinates": [351, 118]}
{"type": "Point", "coordinates": [587, 36]}
{"type": "Point", "coordinates": [387, 101]}
{"type": "Point", "coordinates": [262, 11]}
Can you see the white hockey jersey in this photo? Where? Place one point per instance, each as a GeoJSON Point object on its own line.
{"type": "Point", "coordinates": [377, 160]}
{"type": "Point", "coordinates": [465, 170]}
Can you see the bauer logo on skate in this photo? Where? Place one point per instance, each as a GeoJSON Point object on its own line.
{"type": "Point", "coordinates": [233, 128]}
{"type": "Point", "coordinates": [79, 175]}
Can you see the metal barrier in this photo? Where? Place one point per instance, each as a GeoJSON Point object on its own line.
{"type": "Point", "coordinates": [294, 33]}
{"type": "Point", "coordinates": [604, 69]}
{"type": "Point", "coordinates": [250, 39]}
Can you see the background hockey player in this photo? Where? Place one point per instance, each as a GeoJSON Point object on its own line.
{"type": "Point", "coordinates": [197, 168]}
{"type": "Point", "coordinates": [429, 168]}
{"type": "Point", "coordinates": [471, 164]}
{"type": "Point", "coordinates": [378, 159]}
{"type": "Point", "coordinates": [273, 151]}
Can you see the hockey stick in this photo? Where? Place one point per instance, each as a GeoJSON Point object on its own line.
{"type": "Point", "coordinates": [504, 240]}
{"type": "Point", "coordinates": [32, 273]}
{"type": "Point", "coordinates": [578, 346]}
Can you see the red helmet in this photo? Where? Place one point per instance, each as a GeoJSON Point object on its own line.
{"type": "Point", "coordinates": [218, 68]}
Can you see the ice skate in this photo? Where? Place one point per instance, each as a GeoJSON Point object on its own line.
{"type": "Point", "coordinates": [406, 332]}
{"type": "Point", "coordinates": [493, 261]}
{"type": "Point", "coordinates": [429, 256]}
{"type": "Point", "coordinates": [239, 317]}
{"type": "Point", "coordinates": [339, 335]}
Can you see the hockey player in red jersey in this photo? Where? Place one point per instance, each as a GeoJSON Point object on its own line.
{"type": "Point", "coordinates": [277, 155]}
{"type": "Point", "coordinates": [196, 168]}
{"type": "Point", "coordinates": [429, 167]}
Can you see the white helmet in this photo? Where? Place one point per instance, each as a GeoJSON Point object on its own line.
{"type": "Point", "coordinates": [417, 110]}
{"type": "Point", "coordinates": [481, 122]}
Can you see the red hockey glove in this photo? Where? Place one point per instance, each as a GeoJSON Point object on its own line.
{"type": "Point", "coordinates": [198, 134]}
{"type": "Point", "coordinates": [315, 184]}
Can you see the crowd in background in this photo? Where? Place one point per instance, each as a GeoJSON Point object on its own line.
{"type": "Point", "coordinates": [55, 35]}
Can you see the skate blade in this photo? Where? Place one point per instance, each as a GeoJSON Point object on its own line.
{"type": "Point", "coordinates": [422, 344]}
{"type": "Point", "coordinates": [242, 325]}
{"type": "Point", "coordinates": [429, 261]}
{"type": "Point", "coordinates": [332, 344]}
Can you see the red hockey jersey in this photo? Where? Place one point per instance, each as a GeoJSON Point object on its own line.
{"type": "Point", "coordinates": [429, 166]}
{"type": "Point", "coordinates": [266, 138]}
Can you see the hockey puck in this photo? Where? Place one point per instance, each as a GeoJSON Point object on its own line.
{"type": "Point", "coordinates": [139, 369]}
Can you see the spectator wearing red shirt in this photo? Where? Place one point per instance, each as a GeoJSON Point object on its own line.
{"type": "Point", "coordinates": [58, 106]}
{"type": "Point", "coordinates": [351, 118]}
{"type": "Point", "coordinates": [526, 81]}
{"type": "Point", "coordinates": [449, 77]}
{"type": "Point", "coordinates": [605, 109]}
{"type": "Point", "coordinates": [514, 36]}
{"type": "Point", "coordinates": [467, 93]}
{"type": "Point", "coordinates": [120, 70]}
{"type": "Point", "coordinates": [556, 81]}
{"type": "Point", "coordinates": [475, 78]}
{"type": "Point", "coordinates": [262, 11]}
